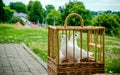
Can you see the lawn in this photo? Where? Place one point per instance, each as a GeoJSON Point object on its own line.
{"type": "Point", "coordinates": [37, 39]}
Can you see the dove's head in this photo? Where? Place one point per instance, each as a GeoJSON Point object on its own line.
{"type": "Point", "coordinates": [75, 36]}
{"type": "Point", "coordinates": [63, 37]}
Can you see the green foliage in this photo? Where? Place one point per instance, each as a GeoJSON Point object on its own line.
{"type": "Point", "coordinates": [61, 9]}
{"type": "Point", "coordinates": [36, 12]}
{"type": "Point", "coordinates": [8, 13]}
{"type": "Point", "coordinates": [18, 6]}
{"type": "Point", "coordinates": [111, 22]}
{"type": "Point", "coordinates": [79, 8]}
{"type": "Point", "coordinates": [29, 6]}
{"type": "Point", "coordinates": [53, 15]}
{"type": "Point", "coordinates": [116, 12]}
{"type": "Point", "coordinates": [16, 19]}
{"type": "Point", "coordinates": [2, 12]}
{"type": "Point", "coordinates": [108, 12]}
{"type": "Point", "coordinates": [96, 13]}
{"type": "Point", "coordinates": [48, 9]}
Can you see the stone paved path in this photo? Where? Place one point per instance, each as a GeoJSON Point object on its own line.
{"type": "Point", "coordinates": [16, 60]}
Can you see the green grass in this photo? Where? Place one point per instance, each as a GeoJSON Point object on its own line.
{"type": "Point", "coordinates": [112, 65]}
{"type": "Point", "coordinates": [37, 40]}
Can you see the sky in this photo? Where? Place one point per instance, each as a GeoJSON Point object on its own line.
{"type": "Point", "coordinates": [93, 5]}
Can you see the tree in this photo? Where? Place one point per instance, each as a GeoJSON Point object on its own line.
{"type": "Point", "coordinates": [61, 9]}
{"type": "Point", "coordinates": [29, 6]}
{"type": "Point", "coordinates": [18, 6]}
{"type": "Point", "coordinates": [94, 13]}
{"type": "Point", "coordinates": [48, 9]}
{"type": "Point", "coordinates": [8, 13]}
{"type": "Point", "coordinates": [108, 12]}
{"type": "Point", "coordinates": [79, 8]}
{"type": "Point", "coordinates": [54, 17]}
{"type": "Point", "coordinates": [2, 12]}
{"type": "Point", "coordinates": [111, 22]}
{"type": "Point", "coordinates": [36, 12]}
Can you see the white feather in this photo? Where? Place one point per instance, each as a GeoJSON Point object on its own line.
{"type": "Point", "coordinates": [62, 48]}
{"type": "Point", "coordinates": [77, 49]}
{"type": "Point", "coordinates": [70, 48]}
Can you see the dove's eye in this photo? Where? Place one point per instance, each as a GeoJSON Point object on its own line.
{"type": "Point", "coordinates": [75, 34]}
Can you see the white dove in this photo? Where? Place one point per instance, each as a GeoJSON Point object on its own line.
{"type": "Point", "coordinates": [63, 48]}
{"type": "Point", "coordinates": [77, 49]}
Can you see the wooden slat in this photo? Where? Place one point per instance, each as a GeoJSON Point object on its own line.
{"type": "Point", "coordinates": [93, 44]}
{"type": "Point", "coordinates": [57, 46]}
{"type": "Point", "coordinates": [76, 27]}
{"type": "Point", "coordinates": [103, 45]}
{"type": "Point", "coordinates": [49, 32]}
{"type": "Point", "coordinates": [80, 44]}
{"type": "Point", "coordinates": [52, 38]}
{"type": "Point", "coordinates": [73, 46]}
{"type": "Point", "coordinates": [88, 39]}
{"type": "Point", "coordinates": [66, 45]}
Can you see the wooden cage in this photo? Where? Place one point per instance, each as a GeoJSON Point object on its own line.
{"type": "Point", "coordinates": [90, 39]}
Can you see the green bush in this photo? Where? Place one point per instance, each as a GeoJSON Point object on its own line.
{"type": "Point", "coordinates": [111, 22]}
{"type": "Point", "coordinates": [8, 13]}
{"type": "Point", "coordinates": [16, 19]}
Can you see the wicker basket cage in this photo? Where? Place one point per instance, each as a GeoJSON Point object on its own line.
{"type": "Point", "coordinates": [90, 39]}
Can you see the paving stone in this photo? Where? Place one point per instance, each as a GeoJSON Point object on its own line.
{"type": "Point", "coordinates": [27, 73]}
{"type": "Point", "coordinates": [43, 74]}
{"type": "Point", "coordinates": [18, 73]}
{"type": "Point", "coordinates": [16, 69]}
{"type": "Point", "coordinates": [7, 69]}
{"type": "Point", "coordinates": [1, 69]}
{"type": "Point", "coordinates": [14, 64]}
{"type": "Point", "coordinates": [15, 60]}
{"type": "Point", "coordinates": [9, 73]}
{"type": "Point", "coordinates": [4, 60]}
{"type": "Point", "coordinates": [24, 68]}
{"type": "Point", "coordinates": [1, 73]}
{"type": "Point", "coordinates": [11, 59]}
{"type": "Point", "coordinates": [36, 73]}
{"type": "Point", "coordinates": [42, 70]}
{"type": "Point", "coordinates": [21, 64]}
{"type": "Point", "coordinates": [3, 56]}
{"type": "Point", "coordinates": [10, 56]}
{"type": "Point", "coordinates": [0, 63]}
{"type": "Point", "coordinates": [6, 64]}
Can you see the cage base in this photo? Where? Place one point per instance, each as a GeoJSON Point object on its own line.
{"type": "Point", "coordinates": [82, 68]}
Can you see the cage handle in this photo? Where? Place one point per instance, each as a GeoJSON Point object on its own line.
{"type": "Point", "coordinates": [73, 14]}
